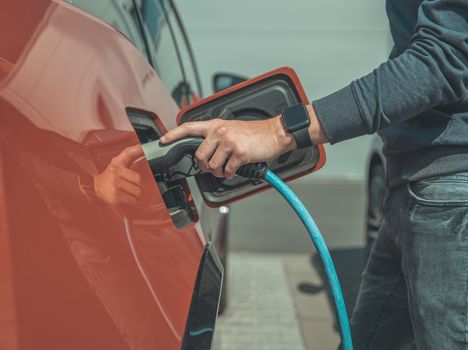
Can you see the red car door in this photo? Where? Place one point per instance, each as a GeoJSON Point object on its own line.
{"type": "Point", "coordinates": [79, 272]}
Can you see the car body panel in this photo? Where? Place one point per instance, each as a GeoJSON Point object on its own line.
{"type": "Point", "coordinates": [82, 274]}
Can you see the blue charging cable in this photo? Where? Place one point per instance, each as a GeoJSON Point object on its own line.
{"type": "Point", "coordinates": [322, 249]}
{"type": "Point", "coordinates": [163, 157]}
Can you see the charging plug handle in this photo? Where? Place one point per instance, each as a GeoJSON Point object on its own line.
{"type": "Point", "coordinates": [162, 157]}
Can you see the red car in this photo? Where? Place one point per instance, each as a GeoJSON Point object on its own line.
{"type": "Point", "coordinates": [96, 252]}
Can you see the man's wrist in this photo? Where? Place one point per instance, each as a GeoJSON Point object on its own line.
{"type": "Point", "coordinates": [316, 133]}
{"type": "Point", "coordinates": [284, 139]}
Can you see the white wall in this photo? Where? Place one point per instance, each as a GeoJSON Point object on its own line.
{"type": "Point", "coordinates": [328, 42]}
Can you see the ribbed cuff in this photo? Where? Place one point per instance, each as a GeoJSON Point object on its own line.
{"type": "Point", "coordinates": [339, 115]}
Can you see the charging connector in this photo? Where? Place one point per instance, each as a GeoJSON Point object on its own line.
{"type": "Point", "coordinates": [166, 159]}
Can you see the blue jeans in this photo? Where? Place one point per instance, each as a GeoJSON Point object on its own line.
{"type": "Point", "coordinates": [414, 290]}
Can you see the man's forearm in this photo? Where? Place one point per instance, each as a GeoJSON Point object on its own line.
{"type": "Point", "coordinates": [432, 71]}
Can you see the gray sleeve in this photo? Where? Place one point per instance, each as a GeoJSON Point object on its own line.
{"type": "Point", "coordinates": [432, 71]}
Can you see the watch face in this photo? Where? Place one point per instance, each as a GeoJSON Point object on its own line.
{"type": "Point", "coordinates": [296, 117]}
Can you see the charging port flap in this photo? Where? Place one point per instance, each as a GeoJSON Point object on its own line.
{"type": "Point", "coordinates": [262, 97]}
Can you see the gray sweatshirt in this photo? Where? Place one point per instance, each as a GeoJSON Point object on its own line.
{"type": "Point", "coordinates": [418, 100]}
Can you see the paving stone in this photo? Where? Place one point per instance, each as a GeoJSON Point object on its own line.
{"type": "Point", "coordinates": [261, 313]}
{"type": "Point", "coordinates": [267, 309]}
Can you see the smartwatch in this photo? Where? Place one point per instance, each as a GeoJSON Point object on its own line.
{"type": "Point", "coordinates": [295, 120]}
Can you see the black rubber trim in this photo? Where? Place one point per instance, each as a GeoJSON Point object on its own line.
{"type": "Point", "coordinates": [199, 330]}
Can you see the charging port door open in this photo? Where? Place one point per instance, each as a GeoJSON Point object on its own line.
{"type": "Point", "coordinates": [262, 97]}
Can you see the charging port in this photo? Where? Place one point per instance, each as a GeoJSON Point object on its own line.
{"type": "Point", "coordinates": [175, 192]}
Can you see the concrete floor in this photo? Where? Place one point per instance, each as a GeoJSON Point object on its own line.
{"type": "Point", "coordinates": [283, 301]}
{"type": "Point", "coordinates": [313, 310]}
{"type": "Point", "coordinates": [261, 314]}
{"type": "Point", "coordinates": [266, 234]}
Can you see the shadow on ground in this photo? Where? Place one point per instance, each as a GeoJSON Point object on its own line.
{"type": "Point", "coordinates": [349, 264]}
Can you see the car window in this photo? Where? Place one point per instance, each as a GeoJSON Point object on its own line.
{"type": "Point", "coordinates": [184, 51]}
{"type": "Point", "coordinates": [162, 49]}
{"type": "Point", "coordinates": [121, 14]}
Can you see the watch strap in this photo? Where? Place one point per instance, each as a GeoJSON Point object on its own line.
{"type": "Point", "coordinates": [302, 138]}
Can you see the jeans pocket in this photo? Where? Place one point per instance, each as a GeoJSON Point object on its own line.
{"type": "Point", "coordinates": [447, 190]}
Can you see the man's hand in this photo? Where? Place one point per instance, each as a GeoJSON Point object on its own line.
{"type": "Point", "coordinates": [118, 185]}
{"type": "Point", "coordinates": [229, 144]}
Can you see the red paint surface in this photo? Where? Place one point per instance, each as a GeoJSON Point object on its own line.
{"type": "Point", "coordinates": [70, 277]}
{"type": "Point", "coordinates": [75, 272]}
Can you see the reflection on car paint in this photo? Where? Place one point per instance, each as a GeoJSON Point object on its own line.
{"type": "Point", "coordinates": [71, 272]}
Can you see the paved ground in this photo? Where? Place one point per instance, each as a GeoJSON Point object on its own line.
{"type": "Point", "coordinates": [312, 306]}
{"type": "Point", "coordinates": [261, 313]}
{"type": "Point", "coordinates": [283, 302]}
{"type": "Point", "coordinates": [278, 298]}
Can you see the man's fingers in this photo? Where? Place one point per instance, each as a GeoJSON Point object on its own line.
{"type": "Point", "coordinates": [231, 167]}
{"type": "Point", "coordinates": [129, 155]}
{"type": "Point", "coordinates": [129, 188]}
{"type": "Point", "coordinates": [128, 199]}
{"type": "Point", "coordinates": [187, 129]}
{"type": "Point", "coordinates": [217, 162]}
{"type": "Point", "coordinates": [130, 175]}
{"type": "Point", "coordinates": [204, 153]}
